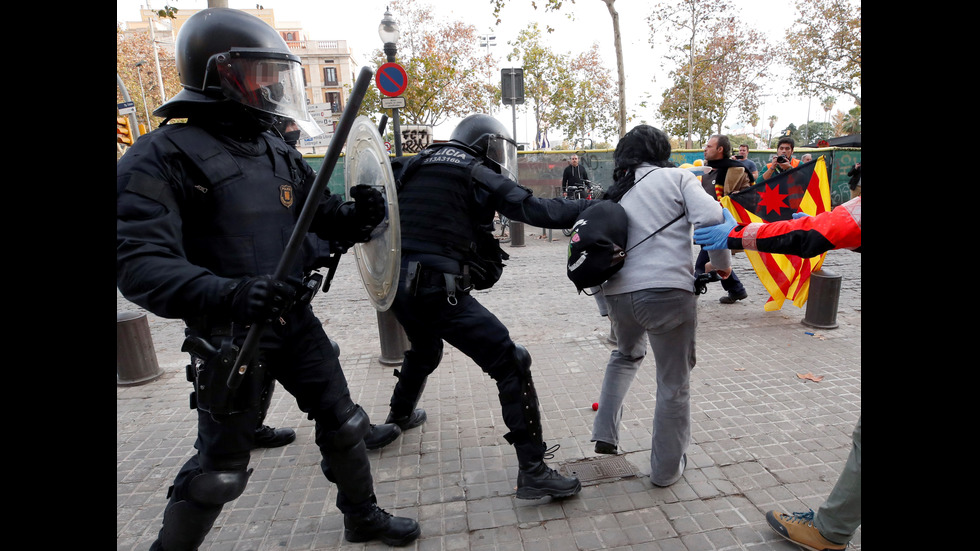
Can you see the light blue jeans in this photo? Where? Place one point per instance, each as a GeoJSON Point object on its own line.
{"type": "Point", "coordinates": [668, 318]}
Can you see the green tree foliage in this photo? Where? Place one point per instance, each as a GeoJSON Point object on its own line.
{"type": "Point", "coordinates": [702, 38]}
{"type": "Point", "coordinates": [554, 5]}
{"type": "Point", "coordinates": [136, 47]}
{"type": "Point", "coordinates": [824, 48]}
{"type": "Point", "coordinates": [681, 117]}
{"type": "Point", "coordinates": [446, 72]}
{"type": "Point", "coordinates": [814, 131]}
{"type": "Point", "coordinates": [571, 94]}
{"type": "Point", "coordinates": [721, 78]}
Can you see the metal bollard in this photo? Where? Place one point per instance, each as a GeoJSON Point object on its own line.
{"type": "Point", "coordinates": [821, 304]}
{"type": "Point", "coordinates": [136, 359]}
{"type": "Point", "coordinates": [516, 233]}
{"type": "Point", "coordinates": [394, 341]}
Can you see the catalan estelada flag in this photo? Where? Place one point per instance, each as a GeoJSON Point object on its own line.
{"type": "Point", "coordinates": [801, 189]}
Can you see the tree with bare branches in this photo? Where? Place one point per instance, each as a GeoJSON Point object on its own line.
{"type": "Point", "coordinates": [555, 5]}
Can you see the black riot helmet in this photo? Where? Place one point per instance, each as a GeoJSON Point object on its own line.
{"type": "Point", "coordinates": [489, 138]}
{"type": "Point", "coordinates": [226, 55]}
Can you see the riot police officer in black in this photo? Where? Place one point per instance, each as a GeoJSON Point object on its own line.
{"type": "Point", "coordinates": [447, 197]}
{"type": "Point", "coordinates": [204, 212]}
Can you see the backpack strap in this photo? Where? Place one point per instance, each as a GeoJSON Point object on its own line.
{"type": "Point", "coordinates": [679, 216]}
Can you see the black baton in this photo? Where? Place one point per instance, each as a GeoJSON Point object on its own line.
{"type": "Point", "coordinates": [306, 215]}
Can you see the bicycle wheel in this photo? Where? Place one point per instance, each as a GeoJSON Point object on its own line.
{"type": "Point", "coordinates": [567, 232]}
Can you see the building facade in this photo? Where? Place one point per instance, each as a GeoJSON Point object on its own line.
{"type": "Point", "coordinates": [328, 65]}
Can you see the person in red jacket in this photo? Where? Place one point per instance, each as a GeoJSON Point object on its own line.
{"type": "Point", "coordinates": [838, 518]}
{"type": "Point", "coordinates": [804, 236]}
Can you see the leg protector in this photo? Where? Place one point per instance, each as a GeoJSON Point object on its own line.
{"type": "Point", "coordinates": [411, 382]}
{"type": "Point", "coordinates": [519, 405]}
{"type": "Point", "coordinates": [345, 461]}
{"type": "Point", "coordinates": [195, 503]}
{"type": "Point", "coordinates": [266, 399]}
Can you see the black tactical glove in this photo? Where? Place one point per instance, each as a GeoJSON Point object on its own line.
{"type": "Point", "coordinates": [369, 206]}
{"type": "Point", "coordinates": [352, 221]}
{"type": "Point", "coordinates": [260, 299]}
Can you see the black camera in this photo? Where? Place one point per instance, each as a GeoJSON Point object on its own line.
{"type": "Point", "coordinates": [739, 157]}
{"type": "Point", "coordinates": [782, 159]}
{"type": "Point", "coordinates": [702, 280]}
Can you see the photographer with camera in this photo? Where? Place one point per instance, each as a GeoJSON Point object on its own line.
{"type": "Point", "coordinates": [784, 159]}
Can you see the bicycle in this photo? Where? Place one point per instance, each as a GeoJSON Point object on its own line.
{"type": "Point", "coordinates": [502, 222]}
{"type": "Point", "coordinates": [588, 191]}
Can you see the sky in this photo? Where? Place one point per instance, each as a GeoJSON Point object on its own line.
{"type": "Point", "coordinates": [356, 21]}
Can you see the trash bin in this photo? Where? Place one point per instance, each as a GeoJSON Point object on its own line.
{"type": "Point", "coordinates": [821, 304]}
{"type": "Point", "coordinates": [136, 359]}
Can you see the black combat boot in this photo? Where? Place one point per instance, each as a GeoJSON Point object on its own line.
{"type": "Point", "coordinates": [405, 422]}
{"type": "Point", "coordinates": [408, 391]}
{"type": "Point", "coordinates": [268, 437]}
{"type": "Point", "coordinates": [373, 522]}
{"type": "Point", "coordinates": [535, 479]}
{"type": "Point", "coordinates": [382, 435]}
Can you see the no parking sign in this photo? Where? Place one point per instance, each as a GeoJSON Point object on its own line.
{"type": "Point", "coordinates": [391, 79]}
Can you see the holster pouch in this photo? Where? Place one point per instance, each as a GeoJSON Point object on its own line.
{"type": "Point", "coordinates": [311, 284]}
{"type": "Point", "coordinates": [412, 278]}
{"type": "Point", "coordinates": [209, 370]}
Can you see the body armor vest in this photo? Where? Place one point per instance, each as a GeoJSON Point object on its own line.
{"type": "Point", "coordinates": [262, 186]}
{"type": "Point", "coordinates": [435, 201]}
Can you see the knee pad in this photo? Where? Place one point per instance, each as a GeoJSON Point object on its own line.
{"type": "Point", "coordinates": [350, 433]}
{"type": "Point", "coordinates": [217, 487]}
{"type": "Point", "coordinates": [522, 358]}
{"type": "Point", "coordinates": [519, 361]}
{"type": "Point", "coordinates": [335, 346]}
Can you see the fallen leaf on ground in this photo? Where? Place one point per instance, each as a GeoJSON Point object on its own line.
{"type": "Point", "coordinates": [810, 377]}
{"type": "Point", "coordinates": [739, 369]}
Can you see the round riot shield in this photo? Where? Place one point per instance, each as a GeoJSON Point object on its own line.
{"type": "Point", "coordinates": [378, 260]}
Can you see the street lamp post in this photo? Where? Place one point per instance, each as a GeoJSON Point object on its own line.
{"type": "Point", "coordinates": [394, 340]}
{"type": "Point", "coordinates": [143, 92]}
{"type": "Point", "coordinates": [389, 33]}
{"type": "Point", "coordinates": [487, 40]}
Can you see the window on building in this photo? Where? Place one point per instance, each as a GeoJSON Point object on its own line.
{"type": "Point", "coordinates": [333, 98]}
{"type": "Point", "coordinates": [330, 76]}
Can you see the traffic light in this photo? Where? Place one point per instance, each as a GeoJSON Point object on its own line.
{"type": "Point", "coordinates": [124, 134]}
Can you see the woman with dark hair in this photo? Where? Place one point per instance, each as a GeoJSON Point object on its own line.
{"type": "Point", "coordinates": [652, 296]}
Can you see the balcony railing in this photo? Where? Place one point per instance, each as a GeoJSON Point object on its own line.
{"type": "Point", "coordinates": [317, 45]}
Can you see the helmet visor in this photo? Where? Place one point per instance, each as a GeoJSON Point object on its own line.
{"type": "Point", "coordinates": [503, 151]}
{"type": "Point", "coordinates": [267, 81]}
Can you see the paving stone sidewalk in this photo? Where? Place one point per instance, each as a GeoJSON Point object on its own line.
{"type": "Point", "coordinates": [763, 438]}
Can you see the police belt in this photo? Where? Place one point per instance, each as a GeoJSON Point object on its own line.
{"type": "Point", "coordinates": [419, 276]}
{"type": "Point", "coordinates": [432, 278]}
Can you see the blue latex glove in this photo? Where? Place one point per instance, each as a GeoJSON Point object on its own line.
{"type": "Point", "coordinates": [715, 237]}
{"type": "Point", "coordinates": [797, 215]}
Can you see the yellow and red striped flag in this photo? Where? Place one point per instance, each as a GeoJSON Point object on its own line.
{"type": "Point", "coordinates": [801, 189]}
